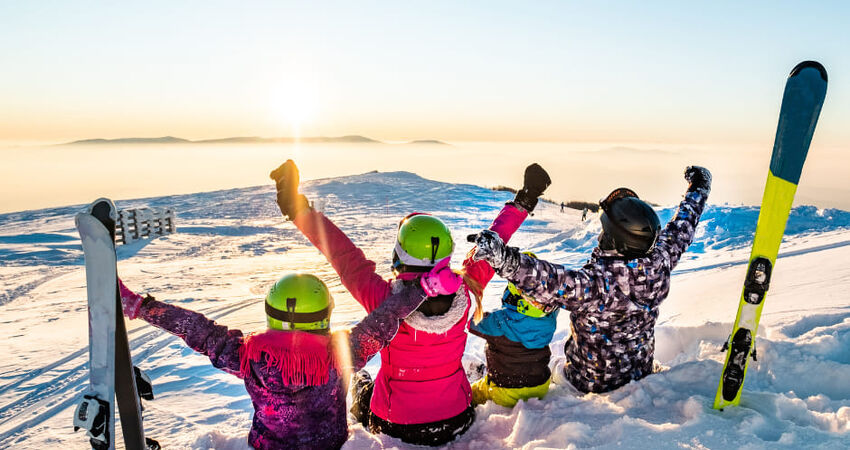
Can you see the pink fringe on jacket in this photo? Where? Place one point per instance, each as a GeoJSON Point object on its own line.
{"type": "Point", "coordinates": [302, 358]}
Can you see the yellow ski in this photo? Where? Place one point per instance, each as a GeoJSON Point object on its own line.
{"type": "Point", "coordinates": [801, 104]}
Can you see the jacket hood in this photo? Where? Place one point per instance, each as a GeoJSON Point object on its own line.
{"type": "Point", "coordinates": [531, 332]}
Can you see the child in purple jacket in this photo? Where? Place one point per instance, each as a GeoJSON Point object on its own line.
{"type": "Point", "coordinates": [296, 371]}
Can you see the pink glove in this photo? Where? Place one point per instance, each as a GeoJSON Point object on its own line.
{"type": "Point", "coordinates": [131, 301]}
{"type": "Point", "coordinates": [441, 280]}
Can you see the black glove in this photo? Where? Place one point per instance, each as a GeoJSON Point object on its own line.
{"type": "Point", "coordinates": [699, 178]}
{"type": "Point", "coordinates": [536, 181]}
{"type": "Point", "coordinates": [491, 248]}
{"type": "Point", "coordinates": [286, 177]}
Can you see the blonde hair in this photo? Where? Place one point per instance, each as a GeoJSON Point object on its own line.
{"type": "Point", "coordinates": [477, 291]}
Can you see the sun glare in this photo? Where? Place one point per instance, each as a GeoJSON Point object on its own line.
{"type": "Point", "coordinates": [294, 105]}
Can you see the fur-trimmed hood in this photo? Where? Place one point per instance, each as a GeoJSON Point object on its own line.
{"type": "Point", "coordinates": [440, 323]}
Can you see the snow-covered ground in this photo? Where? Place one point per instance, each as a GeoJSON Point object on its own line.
{"type": "Point", "coordinates": [233, 244]}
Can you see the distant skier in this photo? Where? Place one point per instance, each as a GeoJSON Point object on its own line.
{"type": "Point", "coordinates": [296, 371]}
{"type": "Point", "coordinates": [613, 299]}
{"type": "Point", "coordinates": [562, 206]}
{"type": "Point", "coordinates": [517, 351]}
{"type": "Point", "coordinates": [584, 214]}
{"type": "Point", "coordinates": [421, 394]}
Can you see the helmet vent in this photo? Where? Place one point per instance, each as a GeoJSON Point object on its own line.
{"type": "Point", "coordinates": [435, 245]}
{"type": "Point", "coordinates": [290, 307]}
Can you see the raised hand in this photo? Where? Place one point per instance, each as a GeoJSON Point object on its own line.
{"type": "Point", "coordinates": [490, 248]}
{"type": "Point", "coordinates": [441, 280]}
{"type": "Point", "coordinates": [286, 178]}
{"type": "Point", "coordinates": [698, 177]}
{"type": "Point", "coordinates": [535, 182]}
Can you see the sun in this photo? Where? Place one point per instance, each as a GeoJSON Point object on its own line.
{"type": "Point", "coordinates": [295, 105]}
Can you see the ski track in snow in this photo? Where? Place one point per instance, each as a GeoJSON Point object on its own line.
{"type": "Point", "coordinates": [64, 389]}
{"type": "Point", "coordinates": [44, 275]}
{"type": "Point", "coordinates": [232, 244]}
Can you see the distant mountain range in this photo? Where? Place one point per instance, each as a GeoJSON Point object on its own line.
{"type": "Point", "coordinates": [352, 139]}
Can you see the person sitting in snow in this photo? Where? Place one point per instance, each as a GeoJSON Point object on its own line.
{"type": "Point", "coordinates": [613, 299]}
{"type": "Point", "coordinates": [296, 371]}
{"type": "Point", "coordinates": [421, 394]}
{"type": "Point", "coordinates": [517, 350]}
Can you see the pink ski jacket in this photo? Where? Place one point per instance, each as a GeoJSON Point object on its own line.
{"type": "Point", "coordinates": [421, 379]}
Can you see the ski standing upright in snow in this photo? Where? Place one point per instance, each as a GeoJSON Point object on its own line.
{"type": "Point", "coordinates": [801, 104]}
{"type": "Point", "coordinates": [111, 369]}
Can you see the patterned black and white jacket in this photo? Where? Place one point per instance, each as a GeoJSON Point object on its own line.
{"type": "Point", "coordinates": [613, 302]}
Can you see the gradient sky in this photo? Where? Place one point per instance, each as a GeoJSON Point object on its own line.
{"type": "Point", "coordinates": [661, 71]}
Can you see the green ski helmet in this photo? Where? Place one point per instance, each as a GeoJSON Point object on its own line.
{"type": "Point", "coordinates": [299, 301]}
{"type": "Point", "coordinates": [422, 241]}
{"type": "Point", "coordinates": [523, 302]}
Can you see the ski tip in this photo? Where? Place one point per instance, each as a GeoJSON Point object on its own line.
{"type": "Point", "coordinates": [809, 64]}
{"type": "Point", "coordinates": [103, 208]}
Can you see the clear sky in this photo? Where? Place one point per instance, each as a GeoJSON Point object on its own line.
{"type": "Point", "coordinates": [658, 71]}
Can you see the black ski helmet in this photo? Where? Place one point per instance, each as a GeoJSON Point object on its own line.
{"type": "Point", "coordinates": [629, 225]}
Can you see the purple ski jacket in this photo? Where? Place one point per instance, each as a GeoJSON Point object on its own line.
{"type": "Point", "coordinates": [613, 301]}
{"type": "Point", "coordinates": [296, 380]}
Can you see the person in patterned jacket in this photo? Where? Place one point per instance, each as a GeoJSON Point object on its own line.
{"type": "Point", "coordinates": [614, 298]}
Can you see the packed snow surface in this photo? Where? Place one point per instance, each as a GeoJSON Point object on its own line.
{"type": "Point", "coordinates": [233, 244]}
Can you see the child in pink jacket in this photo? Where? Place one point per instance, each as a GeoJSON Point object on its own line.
{"type": "Point", "coordinates": [295, 372]}
{"type": "Point", "coordinates": [421, 394]}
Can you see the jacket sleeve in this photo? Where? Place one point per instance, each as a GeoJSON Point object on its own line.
{"type": "Point", "coordinates": [375, 332]}
{"type": "Point", "coordinates": [507, 222]}
{"type": "Point", "coordinates": [554, 285]}
{"type": "Point", "coordinates": [356, 272]}
{"type": "Point", "coordinates": [675, 238]}
{"type": "Point", "coordinates": [201, 334]}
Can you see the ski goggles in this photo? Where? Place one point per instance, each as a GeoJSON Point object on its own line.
{"type": "Point", "coordinates": [291, 320]}
{"type": "Point", "coordinates": [413, 214]}
{"type": "Point", "coordinates": [524, 304]}
{"type": "Point", "coordinates": [616, 194]}
{"type": "Point", "coordinates": [402, 258]}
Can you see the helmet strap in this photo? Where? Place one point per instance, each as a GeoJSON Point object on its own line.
{"type": "Point", "coordinates": [605, 242]}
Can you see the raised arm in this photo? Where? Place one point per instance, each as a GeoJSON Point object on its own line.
{"type": "Point", "coordinates": [376, 330]}
{"type": "Point", "coordinates": [507, 222]}
{"type": "Point", "coordinates": [551, 285]}
{"type": "Point", "coordinates": [509, 219]}
{"type": "Point", "coordinates": [675, 238]}
{"type": "Point", "coordinates": [201, 334]}
{"type": "Point", "coordinates": [356, 272]}
{"type": "Point", "coordinates": [381, 325]}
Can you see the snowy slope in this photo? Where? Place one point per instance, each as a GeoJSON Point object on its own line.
{"type": "Point", "coordinates": [233, 244]}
